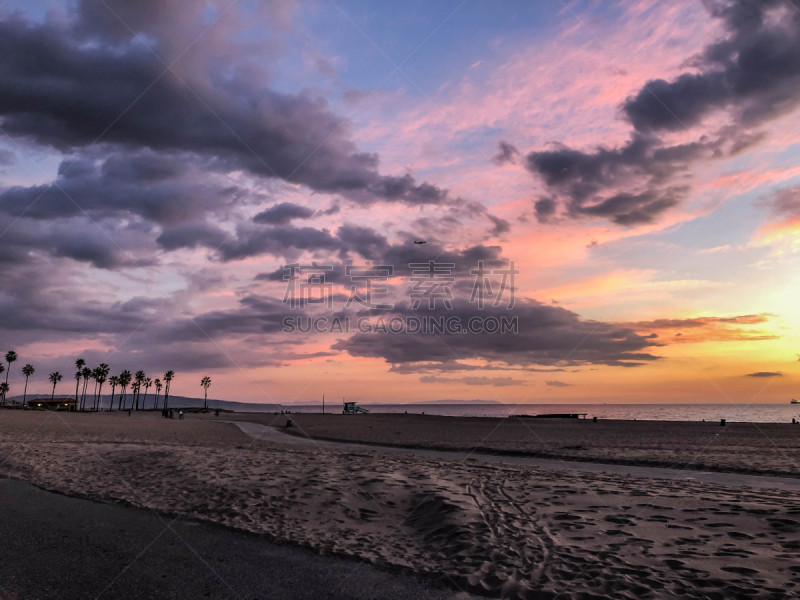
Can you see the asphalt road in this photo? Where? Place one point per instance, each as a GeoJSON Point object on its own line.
{"type": "Point", "coordinates": [56, 547]}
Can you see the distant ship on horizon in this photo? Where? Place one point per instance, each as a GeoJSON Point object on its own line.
{"type": "Point", "coordinates": [794, 401]}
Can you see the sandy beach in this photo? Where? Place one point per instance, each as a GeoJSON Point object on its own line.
{"type": "Point", "coordinates": [769, 448]}
{"type": "Point", "coordinates": [499, 531]}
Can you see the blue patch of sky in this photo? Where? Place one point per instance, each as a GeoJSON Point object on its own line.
{"type": "Point", "coordinates": [431, 42]}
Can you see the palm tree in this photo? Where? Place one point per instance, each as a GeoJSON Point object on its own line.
{"type": "Point", "coordinates": [114, 382]}
{"type": "Point", "coordinates": [167, 379]}
{"type": "Point", "coordinates": [124, 381]}
{"type": "Point", "coordinates": [3, 391]}
{"type": "Point", "coordinates": [95, 374]}
{"type": "Point", "coordinates": [11, 356]}
{"type": "Point", "coordinates": [135, 387]}
{"type": "Point", "coordinates": [55, 377]}
{"type": "Point", "coordinates": [157, 383]}
{"type": "Point", "coordinates": [140, 376]}
{"type": "Point", "coordinates": [147, 382]}
{"type": "Point", "coordinates": [206, 383]}
{"type": "Point", "coordinates": [100, 375]}
{"type": "Point", "coordinates": [2, 368]}
{"type": "Point", "coordinates": [86, 373]}
{"type": "Point", "coordinates": [27, 370]}
{"type": "Point", "coordinates": [79, 364]}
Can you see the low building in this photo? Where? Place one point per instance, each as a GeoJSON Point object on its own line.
{"type": "Point", "coordinates": [52, 404]}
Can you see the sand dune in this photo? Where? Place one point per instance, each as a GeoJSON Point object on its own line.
{"type": "Point", "coordinates": [510, 532]}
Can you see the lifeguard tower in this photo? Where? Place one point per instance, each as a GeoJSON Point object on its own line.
{"type": "Point", "coordinates": [352, 408]}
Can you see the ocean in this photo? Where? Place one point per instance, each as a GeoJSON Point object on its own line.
{"type": "Point", "coordinates": [755, 413]}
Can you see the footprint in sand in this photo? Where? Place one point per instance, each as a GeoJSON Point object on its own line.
{"type": "Point", "coordinates": [740, 570]}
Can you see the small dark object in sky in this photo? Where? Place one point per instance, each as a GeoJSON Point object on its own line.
{"type": "Point", "coordinates": [420, 242]}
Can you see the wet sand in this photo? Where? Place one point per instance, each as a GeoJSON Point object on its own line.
{"type": "Point", "coordinates": [511, 531]}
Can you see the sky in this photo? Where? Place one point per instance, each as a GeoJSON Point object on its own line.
{"type": "Point", "coordinates": [608, 192]}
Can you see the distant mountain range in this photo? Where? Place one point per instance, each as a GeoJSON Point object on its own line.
{"type": "Point", "coordinates": [188, 402]}
{"type": "Point", "coordinates": [174, 402]}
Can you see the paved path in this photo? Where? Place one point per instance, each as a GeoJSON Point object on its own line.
{"type": "Point", "coordinates": [274, 434]}
{"type": "Point", "coordinates": [57, 547]}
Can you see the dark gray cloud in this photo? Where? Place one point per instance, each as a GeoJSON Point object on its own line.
{"type": "Point", "coordinates": [754, 71]}
{"type": "Point", "coordinates": [479, 380]}
{"type": "Point", "coordinates": [752, 75]}
{"type": "Point", "coordinates": [80, 238]}
{"type": "Point", "coordinates": [192, 235]}
{"type": "Point", "coordinates": [506, 153]}
{"type": "Point", "coordinates": [283, 213]}
{"type": "Point", "coordinates": [556, 383]}
{"type": "Point", "coordinates": [454, 366]}
{"type": "Point", "coordinates": [282, 240]}
{"type": "Point", "coordinates": [59, 89]}
{"type": "Point", "coordinates": [156, 188]}
{"type": "Point", "coordinates": [500, 226]}
{"type": "Point", "coordinates": [766, 374]}
{"type": "Point", "coordinates": [548, 336]}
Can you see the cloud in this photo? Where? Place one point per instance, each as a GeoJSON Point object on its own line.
{"type": "Point", "coordinates": [556, 383]}
{"type": "Point", "coordinates": [62, 88]}
{"type": "Point", "coordinates": [283, 213]}
{"type": "Point", "coordinates": [279, 241]}
{"type": "Point", "coordinates": [500, 227]}
{"type": "Point", "coordinates": [740, 328]}
{"type": "Point", "coordinates": [753, 72]}
{"type": "Point", "coordinates": [507, 153]}
{"type": "Point", "coordinates": [493, 381]}
{"type": "Point", "coordinates": [7, 157]}
{"type": "Point", "coordinates": [785, 203]}
{"type": "Point", "coordinates": [750, 76]}
{"type": "Point", "coordinates": [159, 188]}
{"type": "Point", "coordinates": [766, 374]}
{"type": "Point", "coordinates": [547, 336]}
{"type": "Point", "coordinates": [191, 235]}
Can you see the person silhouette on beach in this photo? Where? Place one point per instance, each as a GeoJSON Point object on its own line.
{"type": "Point", "coordinates": [180, 415]}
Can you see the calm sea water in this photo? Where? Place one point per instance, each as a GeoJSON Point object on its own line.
{"type": "Point", "coordinates": [756, 413]}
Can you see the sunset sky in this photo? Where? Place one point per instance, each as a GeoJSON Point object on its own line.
{"type": "Point", "coordinates": [638, 162]}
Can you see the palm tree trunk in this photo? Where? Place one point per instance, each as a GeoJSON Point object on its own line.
{"type": "Point", "coordinates": [205, 400]}
{"type": "Point", "coordinates": [111, 407]}
{"type": "Point", "coordinates": [53, 395]}
{"type": "Point", "coordinates": [25, 393]}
